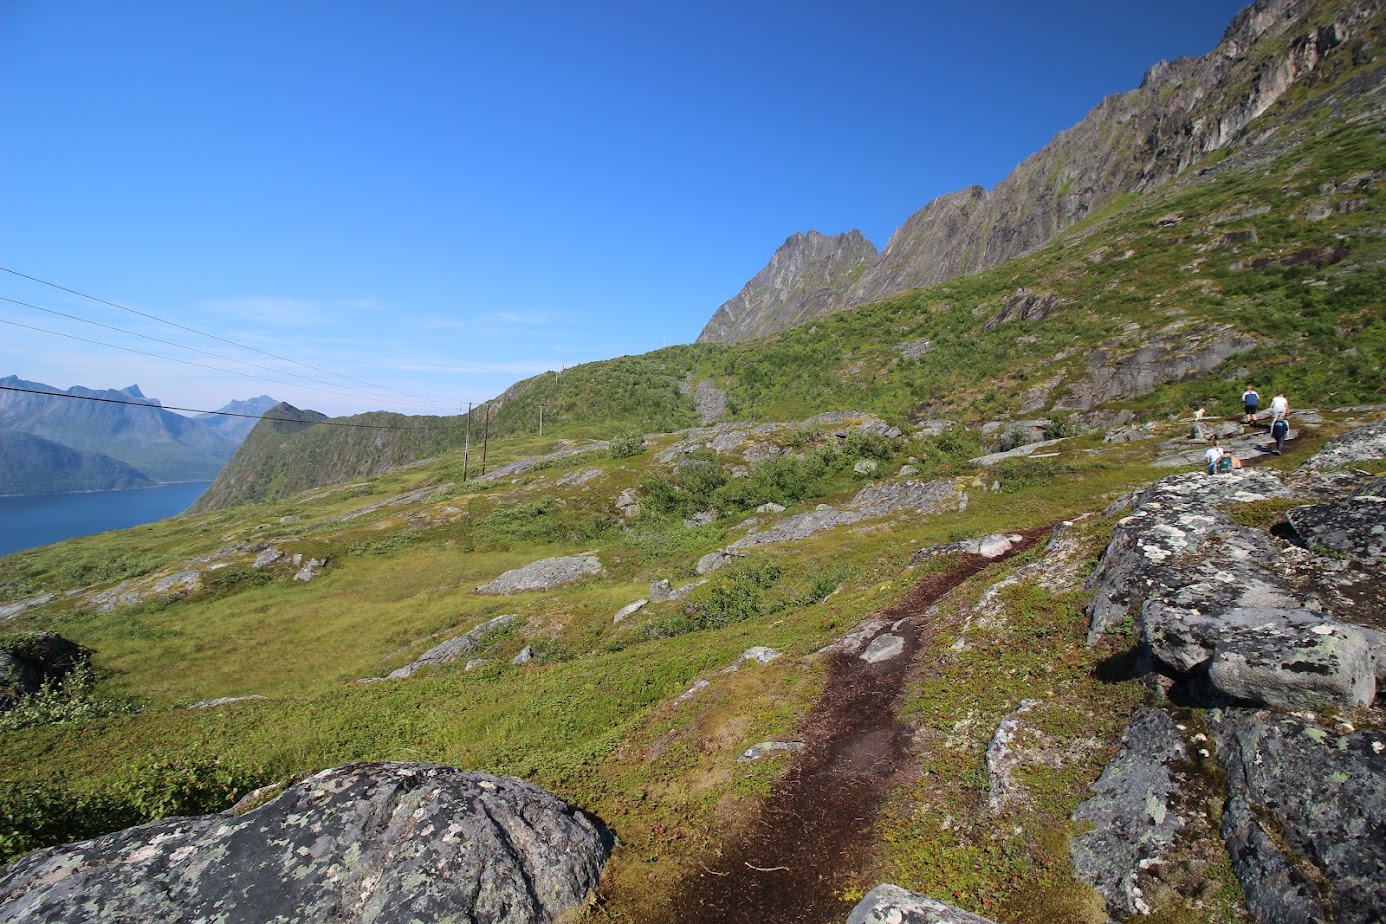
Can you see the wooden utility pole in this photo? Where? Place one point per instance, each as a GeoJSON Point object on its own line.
{"type": "Point", "coordinates": [541, 420]}
{"type": "Point", "coordinates": [467, 446]}
{"type": "Point", "coordinates": [485, 438]}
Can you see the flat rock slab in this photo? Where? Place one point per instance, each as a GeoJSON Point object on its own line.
{"type": "Point", "coordinates": [1133, 820]}
{"type": "Point", "coordinates": [883, 648]}
{"type": "Point", "coordinates": [1305, 821]}
{"type": "Point", "coordinates": [1016, 453]}
{"type": "Point", "coordinates": [765, 748]}
{"type": "Point", "coordinates": [543, 575]}
{"type": "Point", "coordinates": [890, 904]}
{"type": "Point", "coordinates": [380, 843]}
{"type": "Point", "coordinates": [919, 497]}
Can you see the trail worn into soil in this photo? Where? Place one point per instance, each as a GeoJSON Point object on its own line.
{"type": "Point", "coordinates": [815, 828]}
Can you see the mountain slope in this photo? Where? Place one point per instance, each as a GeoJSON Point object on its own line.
{"type": "Point", "coordinates": [1130, 143]}
{"type": "Point", "coordinates": [33, 465]}
{"type": "Point", "coordinates": [163, 445]}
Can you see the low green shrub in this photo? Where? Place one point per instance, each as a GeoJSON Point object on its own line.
{"type": "Point", "coordinates": [735, 594]}
{"type": "Point", "coordinates": [71, 699]}
{"type": "Point", "coordinates": [43, 814]}
{"type": "Point", "coordinates": [627, 445]}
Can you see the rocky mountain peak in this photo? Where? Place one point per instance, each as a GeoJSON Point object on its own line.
{"type": "Point", "coordinates": [1130, 142]}
{"type": "Point", "coordinates": [805, 277]}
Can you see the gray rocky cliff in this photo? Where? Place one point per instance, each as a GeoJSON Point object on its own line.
{"type": "Point", "coordinates": [806, 277]}
{"type": "Point", "coordinates": [1130, 142]}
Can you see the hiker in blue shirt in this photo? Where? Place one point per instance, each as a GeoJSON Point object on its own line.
{"type": "Point", "coordinates": [1250, 401]}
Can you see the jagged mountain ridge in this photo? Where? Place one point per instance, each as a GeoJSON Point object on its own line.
{"type": "Point", "coordinates": [1130, 143]}
{"type": "Point", "coordinates": [58, 444]}
{"type": "Point", "coordinates": [237, 428]}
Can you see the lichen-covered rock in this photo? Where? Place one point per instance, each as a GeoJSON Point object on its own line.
{"type": "Point", "coordinates": [1291, 658]}
{"type": "Point", "coordinates": [543, 575]}
{"type": "Point", "coordinates": [890, 904]}
{"type": "Point", "coordinates": [1172, 520]}
{"type": "Point", "coordinates": [1002, 758]}
{"type": "Point", "coordinates": [877, 500]}
{"type": "Point", "coordinates": [991, 546]}
{"type": "Point", "coordinates": [1354, 526]}
{"type": "Point", "coordinates": [1366, 444]}
{"type": "Point", "coordinates": [380, 843]}
{"type": "Point", "coordinates": [455, 648]}
{"type": "Point", "coordinates": [1132, 812]}
{"type": "Point", "coordinates": [1306, 817]}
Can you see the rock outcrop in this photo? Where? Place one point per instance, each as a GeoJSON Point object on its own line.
{"type": "Point", "coordinates": [1231, 615]}
{"type": "Point", "coordinates": [380, 843]}
{"type": "Point", "coordinates": [543, 575]}
{"type": "Point", "coordinates": [1305, 821]}
{"type": "Point", "coordinates": [454, 648]}
{"type": "Point", "coordinates": [1133, 819]}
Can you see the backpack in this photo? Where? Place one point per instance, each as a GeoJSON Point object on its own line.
{"type": "Point", "coordinates": [1224, 464]}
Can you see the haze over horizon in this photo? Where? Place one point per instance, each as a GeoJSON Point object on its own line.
{"type": "Point", "coordinates": [440, 200]}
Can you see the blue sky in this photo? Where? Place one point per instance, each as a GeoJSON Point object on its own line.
{"type": "Point", "coordinates": [443, 198]}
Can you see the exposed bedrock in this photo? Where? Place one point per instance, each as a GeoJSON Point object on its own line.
{"type": "Point", "coordinates": [393, 842]}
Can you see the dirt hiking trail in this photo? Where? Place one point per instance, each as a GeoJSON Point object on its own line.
{"type": "Point", "coordinates": [815, 829]}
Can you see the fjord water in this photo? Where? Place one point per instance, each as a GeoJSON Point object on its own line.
{"type": "Point", "coordinates": [42, 519]}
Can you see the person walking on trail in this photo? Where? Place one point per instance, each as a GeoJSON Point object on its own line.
{"type": "Point", "coordinates": [1280, 407]}
{"type": "Point", "coordinates": [1250, 401]}
{"type": "Point", "coordinates": [1279, 430]}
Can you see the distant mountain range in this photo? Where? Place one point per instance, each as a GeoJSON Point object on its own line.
{"type": "Point", "coordinates": [123, 439]}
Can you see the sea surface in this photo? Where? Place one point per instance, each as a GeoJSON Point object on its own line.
{"type": "Point", "coordinates": [42, 519]}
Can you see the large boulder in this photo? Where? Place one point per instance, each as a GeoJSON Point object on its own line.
{"type": "Point", "coordinates": [1305, 821]}
{"type": "Point", "coordinates": [379, 843]}
{"type": "Point", "coordinates": [543, 575]}
{"type": "Point", "coordinates": [1290, 658]}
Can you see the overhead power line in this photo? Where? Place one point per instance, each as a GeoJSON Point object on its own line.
{"type": "Point", "coordinates": [202, 333]}
{"type": "Point", "coordinates": [230, 359]}
{"type": "Point", "coordinates": [193, 410]}
{"type": "Point", "coordinates": [174, 359]}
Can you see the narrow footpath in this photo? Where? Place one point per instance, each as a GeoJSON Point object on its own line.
{"type": "Point", "coordinates": [816, 827]}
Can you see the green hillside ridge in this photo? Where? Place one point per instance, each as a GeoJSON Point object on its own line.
{"type": "Point", "coordinates": [1265, 263]}
{"type": "Point", "coordinates": [1233, 248]}
{"type": "Point", "coordinates": [33, 465]}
